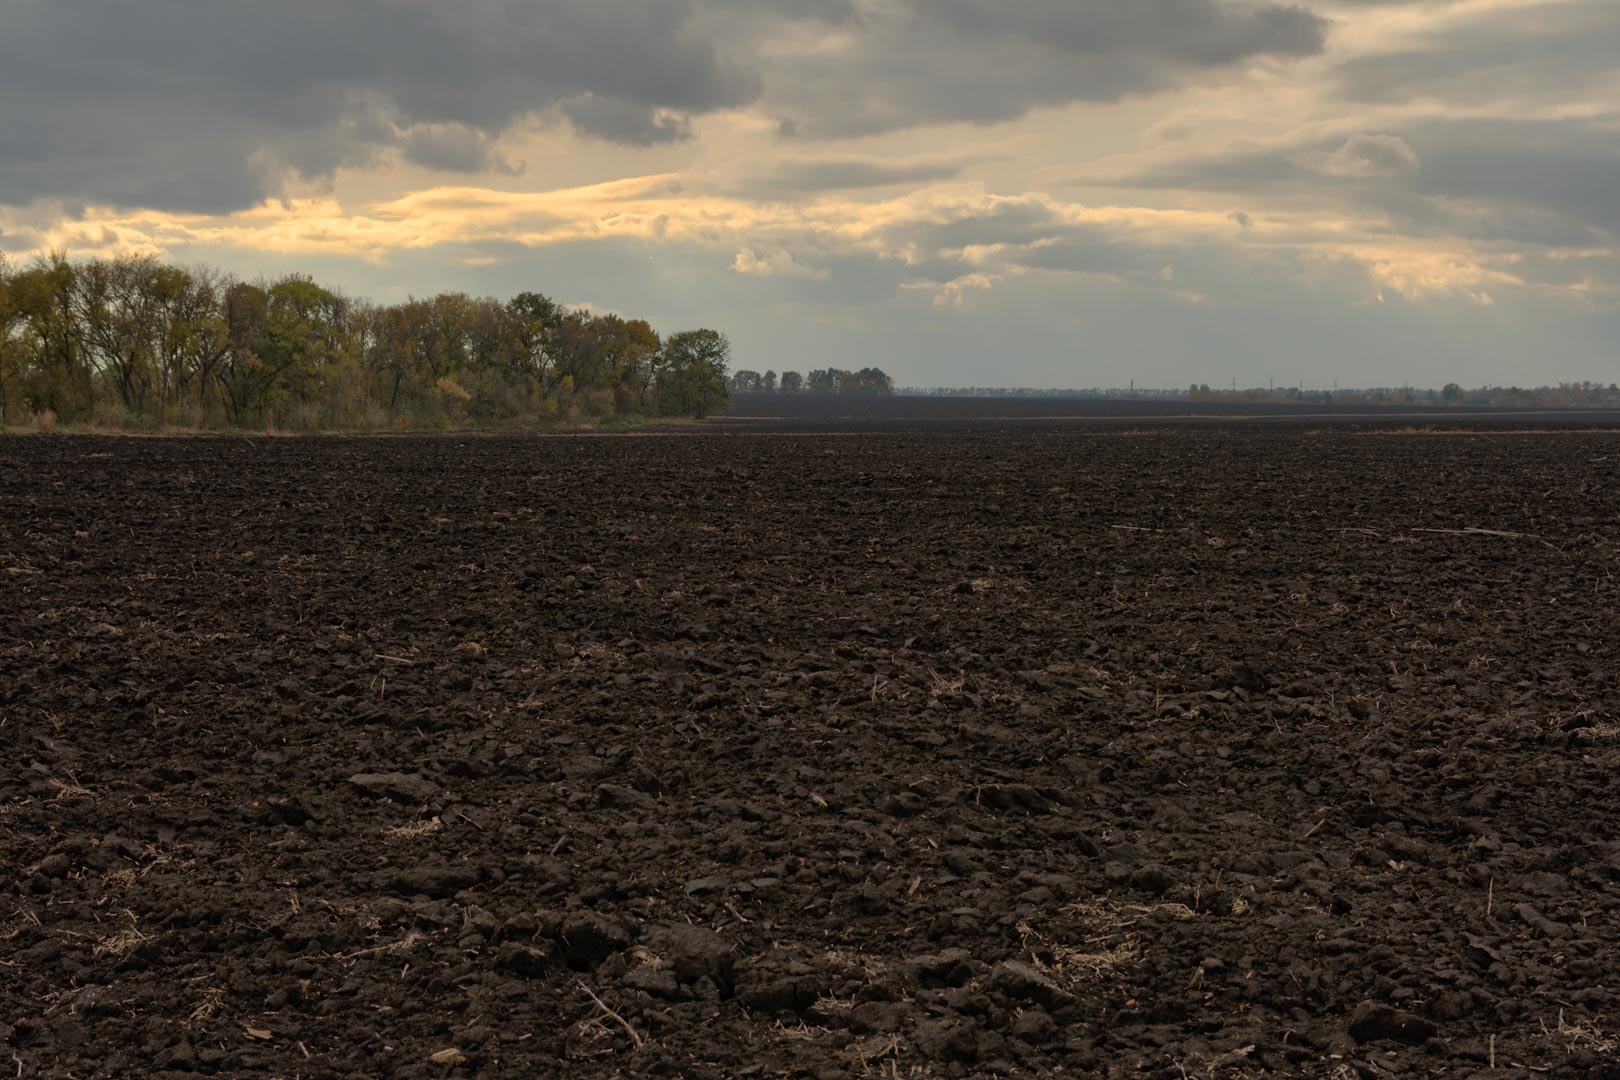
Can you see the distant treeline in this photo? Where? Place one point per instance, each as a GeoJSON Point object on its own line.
{"type": "Point", "coordinates": [135, 342]}
{"type": "Point", "coordinates": [1562, 395]}
{"type": "Point", "coordinates": [821, 381]}
{"type": "Point", "coordinates": [1035, 392]}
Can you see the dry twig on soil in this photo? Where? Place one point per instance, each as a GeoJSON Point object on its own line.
{"type": "Point", "coordinates": [635, 1036]}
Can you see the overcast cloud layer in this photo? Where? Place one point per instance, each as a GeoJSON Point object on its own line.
{"type": "Point", "coordinates": [1045, 192]}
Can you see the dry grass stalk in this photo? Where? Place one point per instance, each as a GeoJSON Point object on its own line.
{"type": "Point", "coordinates": [69, 788]}
{"type": "Point", "coordinates": [877, 1049]}
{"type": "Point", "coordinates": [647, 960]}
{"type": "Point", "coordinates": [213, 1001]}
{"type": "Point", "coordinates": [1481, 532]}
{"type": "Point", "coordinates": [405, 944]}
{"type": "Point", "coordinates": [1124, 915]}
{"type": "Point", "coordinates": [119, 945]}
{"type": "Point", "coordinates": [1107, 944]}
{"type": "Point", "coordinates": [1584, 1033]}
{"type": "Point", "coordinates": [117, 883]}
{"type": "Point", "coordinates": [414, 831]}
{"type": "Point", "coordinates": [1075, 964]}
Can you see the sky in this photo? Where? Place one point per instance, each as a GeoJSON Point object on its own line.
{"type": "Point", "coordinates": [1054, 193]}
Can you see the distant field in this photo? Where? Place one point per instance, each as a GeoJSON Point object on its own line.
{"type": "Point", "coordinates": [935, 409]}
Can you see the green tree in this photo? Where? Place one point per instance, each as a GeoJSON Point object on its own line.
{"type": "Point", "coordinates": [11, 351]}
{"type": "Point", "coordinates": [196, 339]}
{"type": "Point", "coordinates": [57, 375]}
{"type": "Point", "coordinates": [389, 349]}
{"type": "Point", "coordinates": [535, 322]}
{"type": "Point", "coordinates": [824, 380]}
{"type": "Point", "coordinates": [279, 338]}
{"type": "Point", "coordinates": [114, 307]}
{"type": "Point", "coordinates": [578, 348]}
{"type": "Point", "coordinates": [868, 380]}
{"type": "Point", "coordinates": [165, 342]}
{"type": "Point", "coordinates": [630, 356]}
{"type": "Point", "coordinates": [693, 380]}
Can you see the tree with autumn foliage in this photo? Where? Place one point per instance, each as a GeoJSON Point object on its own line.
{"type": "Point", "coordinates": [135, 342]}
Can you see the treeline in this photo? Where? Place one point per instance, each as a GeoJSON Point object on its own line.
{"type": "Point", "coordinates": [1571, 394]}
{"type": "Point", "coordinates": [135, 342]}
{"type": "Point", "coordinates": [1037, 392]}
{"type": "Point", "coordinates": [869, 380]}
{"type": "Point", "coordinates": [1564, 395]}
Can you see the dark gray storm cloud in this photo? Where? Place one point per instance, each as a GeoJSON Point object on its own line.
{"type": "Point", "coordinates": [453, 148]}
{"type": "Point", "coordinates": [985, 61]}
{"type": "Point", "coordinates": [1566, 171]}
{"type": "Point", "coordinates": [1547, 52]}
{"type": "Point", "coordinates": [1199, 32]}
{"type": "Point", "coordinates": [181, 104]}
{"type": "Point", "coordinates": [201, 106]}
{"type": "Point", "coordinates": [621, 121]}
{"type": "Point", "coordinates": [1550, 182]}
{"type": "Point", "coordinates": [832, 12]}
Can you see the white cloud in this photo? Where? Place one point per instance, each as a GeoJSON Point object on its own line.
{"type": "Point", "coordinates": [774, 264]}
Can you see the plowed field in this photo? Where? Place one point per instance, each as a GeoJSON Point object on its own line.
{"type": "Point", "coordinates": [1218, 751]}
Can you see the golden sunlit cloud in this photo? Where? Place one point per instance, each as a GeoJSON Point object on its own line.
{"type": "Point", "coordinates": [773, 239]}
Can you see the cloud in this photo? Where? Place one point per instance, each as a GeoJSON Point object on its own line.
{"type": "Point", "coordinates": [841, 172]}
{"type": "Point", "coordinates": [1203, 33]}
{"type": "Point", "coordinates": [1315, 167]}
{"type": "Point", "coordinates": [1373, 156]}
{"type": "Point", "coordinates": [960, 293]}
{"type": "Point", "coordinates": [1557, 51]}
{"type": "Point", "coordinates": [184, 106]}
{"type": "Point", "coordinates": [918, 62]}
{"type": "Point", "coordinates": [620, 121]}
{"type": "Point", "coordinates": [180, 106]}
{"type": "Point", "coordinates": [775, 264]}
{"type": "Point", "coordinates": [1489, 179]}
{"type": "Point", "coordinates": [950, 241]}
{"type": "Point", "coordinates": [1568, 169]}
{"type": "Point", "coordinates": [454, 148]}
{"type": "Point", "coordinates": [832, 12]}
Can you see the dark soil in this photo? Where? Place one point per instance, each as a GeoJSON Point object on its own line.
{"type": "Point", "coordinates": [1220, 752]}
